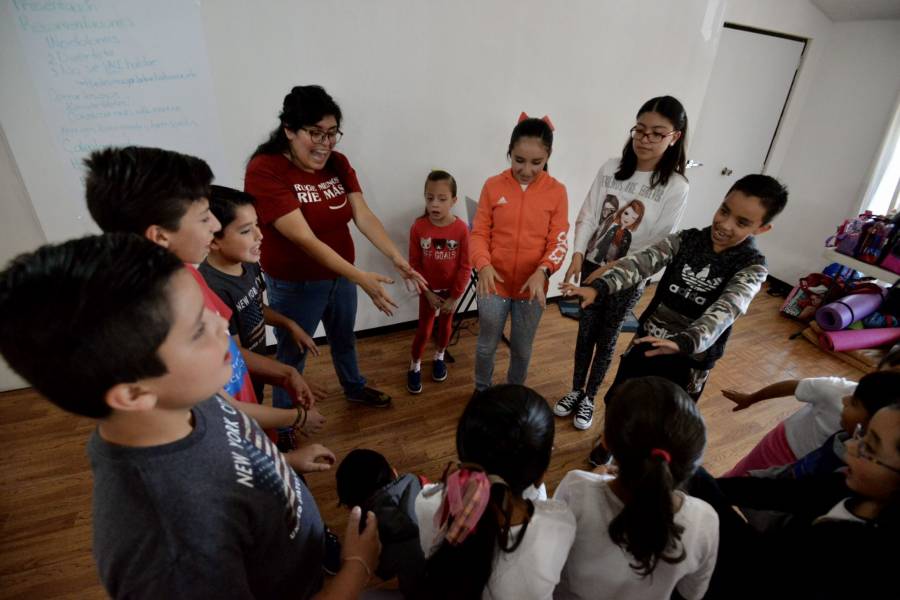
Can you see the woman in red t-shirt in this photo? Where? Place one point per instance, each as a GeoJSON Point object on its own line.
{"type": "Point", "coordinates": [306, 195]}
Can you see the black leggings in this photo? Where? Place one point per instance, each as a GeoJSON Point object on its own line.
{"type": "Point", "coordinates": [598, 331]}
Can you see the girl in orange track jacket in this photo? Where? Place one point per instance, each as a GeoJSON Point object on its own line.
{"type": "Point", "coordinates": [518, 240]}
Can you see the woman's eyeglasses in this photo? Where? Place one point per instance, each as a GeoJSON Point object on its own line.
{"type": "Point", "coordinates": [653, 136]}
{"type": "Point", "coordinates": [864, 452]}
{"type": "Point", "coordinates": [319, 136]}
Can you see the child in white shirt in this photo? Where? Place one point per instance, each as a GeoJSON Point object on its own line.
{"type": "Point", "coordinates": [481, 538]}
{"type": "Point", "coordinates": [638, 536]}
{"type": "Point", "coordinates": [802, 432]}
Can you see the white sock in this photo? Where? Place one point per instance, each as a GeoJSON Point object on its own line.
{"type": "Point", "coordinates": [439, 355]}
{"type": "Point", "coordinates": [415, 365]}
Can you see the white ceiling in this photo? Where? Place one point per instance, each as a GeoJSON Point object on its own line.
{"type": "Point", "coordinates": [859, 10]}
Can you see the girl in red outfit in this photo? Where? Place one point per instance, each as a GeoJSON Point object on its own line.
{"type": "Point", "coordinates": [439, 250]}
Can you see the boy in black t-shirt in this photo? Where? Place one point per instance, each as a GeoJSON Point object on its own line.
{"type": "Point", "coordinates": [232, 271]}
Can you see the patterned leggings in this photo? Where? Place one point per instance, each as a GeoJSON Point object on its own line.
{"type": "Point", "coordinates": [598, 330]}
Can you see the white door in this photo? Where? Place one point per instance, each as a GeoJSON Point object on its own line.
{"type": "Point", "coordinates": [750, 83]}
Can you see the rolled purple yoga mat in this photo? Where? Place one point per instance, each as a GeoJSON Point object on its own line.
{"type": "Point", "coordinates": [856, 339]}
{"type": "Point", "coordinates": [839, 315]}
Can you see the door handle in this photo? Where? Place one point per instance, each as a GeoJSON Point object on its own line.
{"type": "Point", "coordinates": [692, 164]}
{"type": "Point", "coordinates": [726, 171]}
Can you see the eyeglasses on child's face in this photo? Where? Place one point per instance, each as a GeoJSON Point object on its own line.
{"type": "Point", "coordinates": [654, 137]}
{"type": "Point", "coordinates": [319, 136]}
{"type": "Point", "coordinates": [864, 451]}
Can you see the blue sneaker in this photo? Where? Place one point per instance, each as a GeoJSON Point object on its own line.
{"type": "Point", "coordinates": [414, 382]}
{"type": "Point", "coordinates": [439, 370]}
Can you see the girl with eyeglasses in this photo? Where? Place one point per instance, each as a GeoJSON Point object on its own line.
{"type": "Point", "coordinates": [307, 194]}
{"type": "Point", "coordinates": [650, 173]}
{"type": "Point", "coordinates": [831, 524]}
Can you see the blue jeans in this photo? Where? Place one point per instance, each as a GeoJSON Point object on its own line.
{"type": "Point", "coordinates": [331, 301]}
{"type": "Point", "coordinates": [492, 313]}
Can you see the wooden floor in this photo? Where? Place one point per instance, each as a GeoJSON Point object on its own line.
{"type": "Point", "coordinates": [45, 480]}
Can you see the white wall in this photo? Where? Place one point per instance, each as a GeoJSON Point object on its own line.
{"type": "Point", "coordinates": [19, 232]}
{"type": "Point", "coordinates": [427, 84]}
{"type": "Point", "coordinates": [840, 107]}
{"type": "Point", "coordinates": [843, 123]}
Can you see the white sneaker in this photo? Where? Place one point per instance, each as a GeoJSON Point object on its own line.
{"type": "Point", "coordinates": [566, 404]}
{"type": "Point", "coordinates": [584, 416]}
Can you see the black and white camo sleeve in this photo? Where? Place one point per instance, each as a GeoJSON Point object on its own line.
{"type": "Point", "coordinates": [631, 270]}
{"type": "Point", "coordinates": [722, 313]}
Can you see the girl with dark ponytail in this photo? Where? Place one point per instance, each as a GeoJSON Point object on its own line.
{"type": "Point", "coordinates": [481, 537]}
{"type": "Point", "coordinates": [638, 535]}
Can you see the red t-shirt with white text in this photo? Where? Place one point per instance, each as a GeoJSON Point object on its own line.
{"type": "Point", "coordinates": [280, 188]}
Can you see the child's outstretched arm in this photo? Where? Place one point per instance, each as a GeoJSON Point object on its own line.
{"type": "Point", "coordinates": [276, 319]}
{"type": "Point", "coordinates": [721, 314]}
{"type": "Point", "coordinates": [776, 390]}
{"type": "Point", "coordinates": [628, 271]}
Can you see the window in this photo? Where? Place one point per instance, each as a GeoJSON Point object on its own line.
{"type": "Point", "coordinates": [883, 192]}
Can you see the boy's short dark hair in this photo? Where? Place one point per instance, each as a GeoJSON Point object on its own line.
{"type": "Point", "coordinates": [771, 193]}
{"type": "Point", "coordinates": [362, 473]}
{"type": "Point", "coordinates": [130, 189]}
{"type": "Point", "coordinates": [877, 390]}
{"type": "Point", "coordinates": [86, 315]}
{"type": "Point", "coordinates": [223, 203]}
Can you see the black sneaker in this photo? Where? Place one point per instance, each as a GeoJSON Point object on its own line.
{"type": "Point", "coordinates": [331, 560]}
{"type": "Point", "coordinates": [584, 415]}
{"type": "Point", "coordinates": [370, 397]}
{"type": "Point", "coordinates": [566, 404]}
{"type": "Point", "coordinates": [439, 370]}
{"type": "Point", "coordinates": [600, 456]}
{"type": "Point", "coordinates": [414, 382]}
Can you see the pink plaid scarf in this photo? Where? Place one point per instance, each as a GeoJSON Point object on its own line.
{"type": "Point", "coordinates": [466, 495]}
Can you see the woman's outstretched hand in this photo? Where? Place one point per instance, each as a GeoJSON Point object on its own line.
{"type": "Point", "coordinates": [371, 283]}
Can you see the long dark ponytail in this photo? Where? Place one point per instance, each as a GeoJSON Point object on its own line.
{"type": "Point", "coordinates": [657, 436]}
{"type": "Point", "coordinates": [304, 105]}
{"type": "Point", "coordinates": [506, 430]}
{"type": "Point", "coordinates": [673, 160]}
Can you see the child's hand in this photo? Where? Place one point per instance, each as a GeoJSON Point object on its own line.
{"type": "Point", "coordinates": [487, 281]}
{"type": "Point", "coordinates": [448, 305]}
{"type": "Point", "coordinates": [410, 274]}
{"type": "Point", "coordinates": [534, 286]}
{"type": "Point", "coordinates": [574, 270]}
{"type": "Point", "coordinates": [588, 294]}
{"type": "Point", "coordinates": [365, 546]}
{"type": "Point", "coordinates": [371, 284]}
{"type": "Point", "coordinates": [660, 346]}
{"type": "Point", "coordinates": [310, 459]}
{"type": "Point", "coordinates": [297, 386]}
{"type": "Point", "coordinates": [433, 299]}
{"type": "Point", "coordinates": [315, 421]}
{"type": "Point", "coordinates": [740, 399]}
{"type": "Point", "coordinates": [598, 272]}
{"type": "Point", "coordinates": [303, 340]}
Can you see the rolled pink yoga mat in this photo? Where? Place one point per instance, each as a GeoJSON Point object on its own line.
{"type": "Point", "coordinates": [857, 339]}
{"type": "Point", "coordinates": [839, 315]}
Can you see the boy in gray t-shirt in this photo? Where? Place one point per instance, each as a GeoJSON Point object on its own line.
{"type": "Point", "coordinates": [191, 500]}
